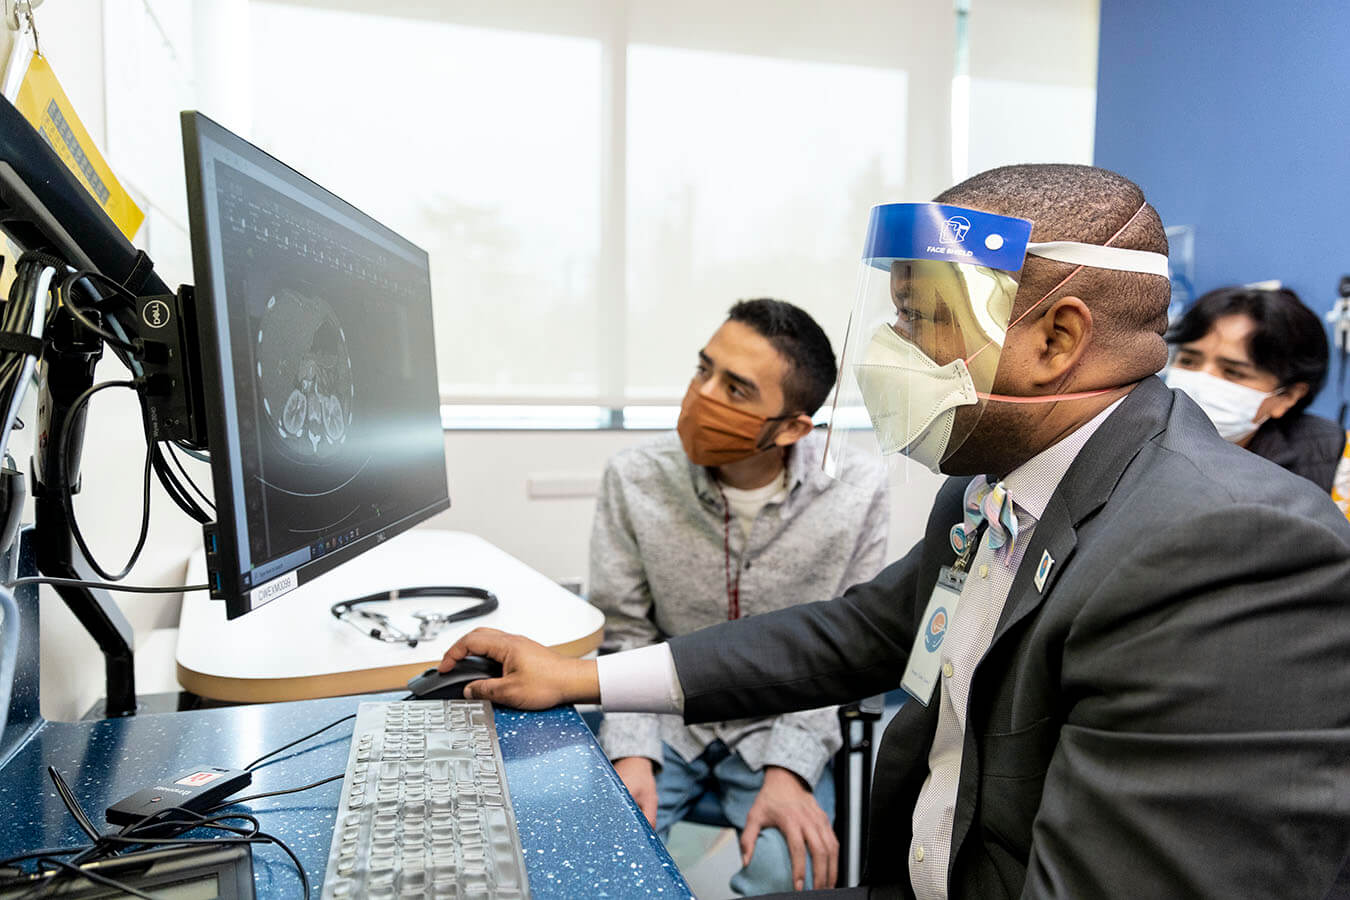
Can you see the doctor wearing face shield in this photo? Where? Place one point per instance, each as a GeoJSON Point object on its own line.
{"type": "Point", "coordinates": [1123, 637]}
{"type": "Point", "coordinates": [924, 354]}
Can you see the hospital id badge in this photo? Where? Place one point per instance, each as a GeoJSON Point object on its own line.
{"type": "Point", "coordinates": [925, 657]}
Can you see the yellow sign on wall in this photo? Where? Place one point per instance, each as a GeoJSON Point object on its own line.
{"type": "Point", "coordinates": [45, 105]}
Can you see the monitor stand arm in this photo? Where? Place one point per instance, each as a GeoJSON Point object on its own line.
{"type": "Point", "coordinates": [67, 368]}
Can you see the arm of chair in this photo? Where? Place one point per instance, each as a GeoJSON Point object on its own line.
{"type": "Point", "coordinates": [867, 711]}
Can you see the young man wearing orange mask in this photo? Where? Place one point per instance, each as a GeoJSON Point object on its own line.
{"type": "Point", "coordinates": [729, 517]}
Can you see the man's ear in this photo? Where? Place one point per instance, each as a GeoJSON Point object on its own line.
{"type": "Point", "coordinates": [1063, 336]}
{"type": "Point", "coordinates": [793, 430]}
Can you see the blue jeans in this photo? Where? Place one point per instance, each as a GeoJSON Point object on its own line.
{"type": "Point", "coordinates": [679, 784]}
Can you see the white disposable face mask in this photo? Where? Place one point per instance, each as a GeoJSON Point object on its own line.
{"type": "Point", "coordinates": [1231, 407]}
{"type": "Point", "coordinates": [911, 400]}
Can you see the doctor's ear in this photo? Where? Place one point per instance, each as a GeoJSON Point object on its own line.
{"type": "Point", "coordinates": [1062, 336]}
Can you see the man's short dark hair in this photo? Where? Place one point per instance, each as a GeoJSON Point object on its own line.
{"type": "Point", "coordinates": [1288, 340]}
{"type": "Point", "coordinates": [1079, 203]}
{"type": "Point", "coordinates": [800, 341]}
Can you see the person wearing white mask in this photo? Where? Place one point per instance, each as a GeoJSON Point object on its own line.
{"type": "Point", "coordinates": [1253, 359]}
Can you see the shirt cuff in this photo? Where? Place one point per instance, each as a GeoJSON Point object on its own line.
{"type": "Point", "coordinates": [640, 680]}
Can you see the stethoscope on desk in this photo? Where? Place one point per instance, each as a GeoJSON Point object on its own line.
{"type": "Point", "coordinates": [382, 628]}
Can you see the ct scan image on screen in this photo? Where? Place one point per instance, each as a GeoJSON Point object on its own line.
{"type": "Point", "coordinates": [334, 377]}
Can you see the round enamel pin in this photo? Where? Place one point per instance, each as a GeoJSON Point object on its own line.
{"type": "Point", "coordinates": [959, 540]}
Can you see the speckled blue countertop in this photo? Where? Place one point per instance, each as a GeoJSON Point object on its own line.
{"type": "Point", "coordinates": [581, 833]}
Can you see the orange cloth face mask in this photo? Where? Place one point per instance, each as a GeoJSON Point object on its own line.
{"type": "Point", "coordinates": [714, 433]}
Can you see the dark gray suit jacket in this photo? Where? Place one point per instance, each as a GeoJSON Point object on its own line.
{"type": "Point", "coordinates": [1168, 717]}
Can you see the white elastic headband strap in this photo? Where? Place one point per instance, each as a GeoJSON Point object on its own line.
{"type": "Point", "coordinates": [1096, 256]}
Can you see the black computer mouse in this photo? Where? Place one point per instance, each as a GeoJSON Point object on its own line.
{"type": "Point", "coordinates": [436, 685]}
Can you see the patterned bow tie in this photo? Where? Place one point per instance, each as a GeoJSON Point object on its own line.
{"type": "Point", "coordinates": [990, 503]}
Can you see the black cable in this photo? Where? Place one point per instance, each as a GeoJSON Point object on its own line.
{"type": "Point", "coordinates": [183, 820]}
{"type": "Point", "coordinates": [199, 455]}
{"type": "Point", "coordinates": [74, 871]}
{"type": "Point", "coordinates": [41, 258]}
{"type": "Point", "coordinates": [129, 588]}
{"type": "Point", "coordinates": [163, 818]}
{"type": "Point", "coordinates": [299, 868]}
{"type": "Point", "coordinates": [36, 854]}
{"type": "Point", "coordinates": [173, 488]}
{"type": "Point", "coordinates": [67, 489]}
{"type": "Point", "coordinates": [177, 492]}
{"type": "Point", "coordinates": [252, 797]}
{"type": "Point", "coordinates": [72, 804]}
{"type": "Point", "coordinates": [258, 836]}
{"type": "Point", "coordinates": [117, 287]}
{"type": "Point", "coordinates": [92, 851]}
{"type": "Point", "coordinates": [250, 766]}
{"type": "Point", "coordinates": [125, 349]}
{"type": "Point", "coordinates": [65, 295]}
{"type": "Point", "coordinates": [172, 456]}
{"type": "Point", "coordinates": [17, 311]}
{"type": "Point", "coordinates": [120, 346]}
{"type": "Point", "coordinates": [82, 819]}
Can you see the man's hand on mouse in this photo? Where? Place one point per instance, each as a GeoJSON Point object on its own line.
{"type": "Point", "coordinates": [533, 676]}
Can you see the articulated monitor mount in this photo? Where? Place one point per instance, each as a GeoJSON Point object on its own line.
{"type": "Point", "coordinates": [43, 208]}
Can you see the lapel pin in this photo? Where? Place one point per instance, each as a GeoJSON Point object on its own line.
{"type": "Point", "coordinates": [1043, 570]}
{"type": "Point", "coordinates": [959, 540]}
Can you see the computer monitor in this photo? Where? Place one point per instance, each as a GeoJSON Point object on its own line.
{"type": "Point", "coordinates": [314, 329]}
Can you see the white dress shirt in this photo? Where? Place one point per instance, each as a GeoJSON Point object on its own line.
{"type": "Point", "coordinates": [646, 680]}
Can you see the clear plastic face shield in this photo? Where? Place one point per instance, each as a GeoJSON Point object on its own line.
{"type": "Point", "coordinates": [928, 326]}
{"type": "Point", "coordinates": [935, 293]}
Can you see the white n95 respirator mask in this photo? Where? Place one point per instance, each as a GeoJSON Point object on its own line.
{"type": "Point", "coordinates": [910, 399]}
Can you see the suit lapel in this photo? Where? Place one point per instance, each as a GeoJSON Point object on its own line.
{"type": "Point", "coordinates": [1054, 539]}
{"type": "Point", "coordinates": [1085, 488]}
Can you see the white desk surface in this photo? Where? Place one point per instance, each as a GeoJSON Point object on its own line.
{"type": "Point", "coordinates": [294, 649]}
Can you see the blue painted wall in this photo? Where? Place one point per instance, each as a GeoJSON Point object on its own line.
{"type": "Point", "coordinates": [1234, 116]}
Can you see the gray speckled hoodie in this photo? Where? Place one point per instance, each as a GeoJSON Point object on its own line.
{"type": "Point", "coordinates": [658, 569]}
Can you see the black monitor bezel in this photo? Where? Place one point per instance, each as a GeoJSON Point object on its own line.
{"type": "Point", "coordinates": [223, 563]}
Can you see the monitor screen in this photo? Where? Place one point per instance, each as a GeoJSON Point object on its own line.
{"type": "Point", "coordinates": [321, 397]}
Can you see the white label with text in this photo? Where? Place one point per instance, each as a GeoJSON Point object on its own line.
{"type": "Point", "coordinates": [273, 589]}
